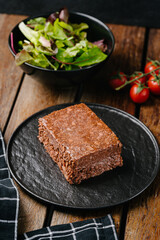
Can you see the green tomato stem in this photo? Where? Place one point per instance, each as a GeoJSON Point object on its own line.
{"type": "Point", "coordinates": [143, 75]}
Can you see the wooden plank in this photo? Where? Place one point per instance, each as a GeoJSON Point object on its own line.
{"type": "Point", "coordinates": [34, 96]}
{"type": "Point", "coordinates": [9, 76]}
{"type": "Point", "coordinates": [143, 221]}
{"type": "Point", "coordinates": [31, 212]}
{"type": "Point", "coordinates": [126, 57]}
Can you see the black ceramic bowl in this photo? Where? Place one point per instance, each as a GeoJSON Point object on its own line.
{"type": "Point", "coordinates": [97, 30]}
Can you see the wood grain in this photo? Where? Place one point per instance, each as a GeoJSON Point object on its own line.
{"type": "Point", "coordinates": [34, 96]}
{"type": "Point", "coordinates": [127, 57]}
{"type": "Point", "coordinates": [143, 221]}
{"type": "Point", "coordinates": [31, 213]}
{"type": "Point", "coordinates": [9, 76]}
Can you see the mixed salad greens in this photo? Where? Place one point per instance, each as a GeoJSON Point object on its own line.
{"type": "Point", "coordinates": [55, 43]}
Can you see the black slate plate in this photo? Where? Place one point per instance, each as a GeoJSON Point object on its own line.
{"type": "Point", "coordinates": [36, 172]}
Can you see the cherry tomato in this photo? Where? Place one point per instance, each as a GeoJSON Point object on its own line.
{"type": "Point", "coordinates": [136, 75]}
{"type": "Point", "coordinates": [139, 94]}
{"type": "Point", "coordinates": [117, 80]}
{"type": "Point", "coordinates": [150, 66]}
{"type": "Point", "coordinates": [154, 85]}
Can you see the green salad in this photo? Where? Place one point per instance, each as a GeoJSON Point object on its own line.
{"type": "Point", "coordinates": [55, 43]}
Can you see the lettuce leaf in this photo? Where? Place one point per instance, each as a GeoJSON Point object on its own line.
{"type": "Point", "coordinates": [92, 56]}
{"type": "Point", "coordinates": [39, 59]}
{"type": "Point", "coordinates": [37, 23]}
{"type": "Point", "coordinates": [61, 56]}
{"type": "Point", "coordinates": [22, 57]}
{"type": "Point", "coordinates": [73, 51]}
{"type": "Point", "coordinates": [77, 28]}
{"type": "Point", "coordinates": [66, 26]}
{"type": "Point", "coordinates": [29, 33]}
{"type": "Point", "coordinates": [55, 31]}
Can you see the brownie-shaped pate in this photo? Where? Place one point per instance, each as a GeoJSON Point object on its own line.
{"type": "Point", "coordinates": [80, 143]}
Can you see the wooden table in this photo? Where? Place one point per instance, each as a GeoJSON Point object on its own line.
{"type": "Point", "coordinates": [21, 96]}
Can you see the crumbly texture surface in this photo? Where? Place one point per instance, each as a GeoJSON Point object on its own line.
{"type": "Point", "coordinates": [80, 143]}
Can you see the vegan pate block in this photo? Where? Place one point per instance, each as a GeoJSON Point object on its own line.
{"type": "Point", "coordinates": [80, 143]}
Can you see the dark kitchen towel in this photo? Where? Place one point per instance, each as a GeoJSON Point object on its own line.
{"type": "Point", "coordinates": [129, 12]}
{"type": "Point", "coordinates": [9, 200]}
{"type": "Point", "coordinates": [92, 229]}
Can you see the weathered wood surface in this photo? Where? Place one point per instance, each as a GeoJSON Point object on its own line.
{"type": "Point", "coordinates": [143, 220]}
{"type": "Point", "coordinates": [10, 77]}
{"type": "Point", "coordinates": [127, 56]}
{"type": "Point", "coordinates": [32, 97]}
{"type": "Point", "coordinates": [21, 97]}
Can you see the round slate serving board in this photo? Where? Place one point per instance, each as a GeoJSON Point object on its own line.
{"type": "Point", "coordinates": [37, 173]}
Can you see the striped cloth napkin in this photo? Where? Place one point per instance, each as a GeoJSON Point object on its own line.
{"type": "Point", "coordinates": [92, 229]}
{"type": "Point", "coordinates": [9, 200]}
